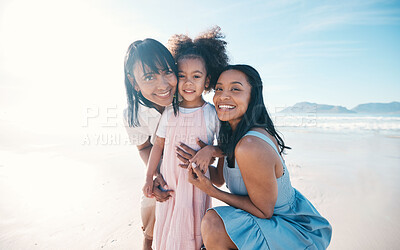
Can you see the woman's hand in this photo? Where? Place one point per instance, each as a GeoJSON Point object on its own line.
{"type": "Point", "coordinates": [199, 180]}
{"type": "Point", "coordinates": [186, 153]}
{"type": "Point", "coordinates": [161, 190]}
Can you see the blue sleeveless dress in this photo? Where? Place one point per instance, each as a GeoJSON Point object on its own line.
{"type": "Point", "coordinates": [295, 224]}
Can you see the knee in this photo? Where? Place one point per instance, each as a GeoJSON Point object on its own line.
{"type": "Point", "coordinates": [211, 226]}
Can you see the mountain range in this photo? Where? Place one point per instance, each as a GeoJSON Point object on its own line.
{"type": "Point", "coordinates": [366, 108]}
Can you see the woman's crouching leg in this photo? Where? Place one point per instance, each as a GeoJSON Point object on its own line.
{"type": "Point", "coordinates": [214, 233]}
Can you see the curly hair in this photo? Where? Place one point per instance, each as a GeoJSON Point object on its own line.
{"type": "Point", "coordinates": [208, 46]}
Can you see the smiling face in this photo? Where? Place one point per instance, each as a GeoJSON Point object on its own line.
{"type": "Point", "coordinates": [232, 96]}
{"type": "Point", "coordinates": [157, 87]}
{"type": "Point", "coordinates": [193, 80]}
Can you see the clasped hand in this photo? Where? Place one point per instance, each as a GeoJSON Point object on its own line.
{"type": "Point", "coordinates": [188, 156]}
{"type": "Point", "coordinates": [157, 188]}
{"type": "Point", "coordinates": [197, 178]}
{"type": "Point", "coordinates": [201, 158]}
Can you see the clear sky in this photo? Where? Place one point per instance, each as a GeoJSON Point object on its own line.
{"type": "Point", "coordinates": [60, 57]}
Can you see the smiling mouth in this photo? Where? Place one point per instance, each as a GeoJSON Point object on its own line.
{"type": "Point", "coordinates": [164, 94]}
{"type": "Point", "coordinates": [189, 91]}
{"type": "Point", "coordinates": [226, 107]}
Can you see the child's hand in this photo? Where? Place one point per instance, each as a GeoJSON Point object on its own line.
{"type": "Point", "coordinates": [186, 153]}
{"type": "Point", "coordinates": [202, 158]}
{"type": "Point", "coordinates": [148, 188]}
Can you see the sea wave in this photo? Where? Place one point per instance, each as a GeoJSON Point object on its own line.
{"type": "Point", "coordinates": [354, 122]}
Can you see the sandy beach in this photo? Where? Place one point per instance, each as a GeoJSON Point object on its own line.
{"type": "Point", "coordinates": [82, 190]}
{"type": "Point", "coordinates": [353, 179]}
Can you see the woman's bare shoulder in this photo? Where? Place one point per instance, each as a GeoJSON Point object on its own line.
{"type": "Point", "coordinates": [254, 148]}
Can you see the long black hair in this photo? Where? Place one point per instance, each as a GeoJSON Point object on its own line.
{"type": "Point", "coordinates": [256, 115]}
{"type": "Point", "coordinates": [152, 55]}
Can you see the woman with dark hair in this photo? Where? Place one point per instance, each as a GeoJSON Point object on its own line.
{"type": "Point", "coordinates": [150, 82]}
{"type": "Point", "coordinates": [265, 211]}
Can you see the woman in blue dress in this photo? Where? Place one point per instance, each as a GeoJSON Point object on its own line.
{"type": "Point", "coordinates": [265, 211]}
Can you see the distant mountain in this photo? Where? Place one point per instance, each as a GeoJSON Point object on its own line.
{"type": "Point", "coordinates": [378, 108]}
{"type": "Point", "coordinates": [308, 107]}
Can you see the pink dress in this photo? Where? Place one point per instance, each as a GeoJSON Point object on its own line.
{"type": "Point", "coordinates": [178, 219]}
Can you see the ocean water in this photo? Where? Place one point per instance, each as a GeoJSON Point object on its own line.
{"type": "Point", "coordinates": [387, 124]}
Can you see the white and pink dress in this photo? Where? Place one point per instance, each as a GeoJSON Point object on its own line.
{"type": "Point", "coordinates": [178, 219]}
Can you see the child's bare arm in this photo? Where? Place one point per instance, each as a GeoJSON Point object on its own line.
{"type": "Point", "coordinates": [154, 159]}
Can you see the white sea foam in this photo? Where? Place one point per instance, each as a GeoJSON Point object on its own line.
{"type": "Point", "coordinates": [338, 122]}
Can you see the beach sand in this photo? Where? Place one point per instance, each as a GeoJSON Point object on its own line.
{"type": "Point", "coordinates": [82, 190]}
{"type": "Point", "coordinates": [353, 179]}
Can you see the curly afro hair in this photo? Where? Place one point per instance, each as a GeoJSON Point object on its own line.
{"type": "Point", "coordinates": [209, 46]}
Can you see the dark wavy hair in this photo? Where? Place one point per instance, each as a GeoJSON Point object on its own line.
{"type": "Point", "coordinates": [152, 55]}
{"type": "Point", "coordinates": [256, 115]}
{"type": "Point", "coordinates": [208, 46]}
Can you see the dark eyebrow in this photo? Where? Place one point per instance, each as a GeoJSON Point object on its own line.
{"type": "Point", "coordinates": [231, 83]}
{"type": "Point", "coordinates": [196, 71]}
{"type": "Point", "coordinates": [148, 73]}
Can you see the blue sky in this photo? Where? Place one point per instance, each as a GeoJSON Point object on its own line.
{"type": "Point", "coordinates": [332, 52]}
{"type": "Point", "coordinates": [69, 54]}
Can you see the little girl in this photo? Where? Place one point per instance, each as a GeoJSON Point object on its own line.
{"type": "Point", "coordinates": [199, 64]}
